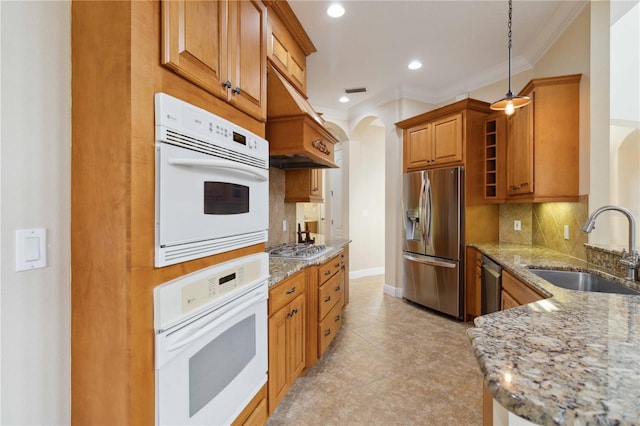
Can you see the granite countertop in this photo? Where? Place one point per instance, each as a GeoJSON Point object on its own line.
{"type": "Point", "coordinates": [279, 269]}
{"type": "Point", "coordinates": [571, 359]}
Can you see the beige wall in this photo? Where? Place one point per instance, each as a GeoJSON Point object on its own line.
{"type": "Point", "coordinates": [35, 165]}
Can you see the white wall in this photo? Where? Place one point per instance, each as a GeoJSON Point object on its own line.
{"type": "Point", "coordinates": [35, 321]}
{"type": "Point", "coordinates": [367, 199]}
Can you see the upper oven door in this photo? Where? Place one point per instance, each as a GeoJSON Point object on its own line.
{"type": "Point", "coordinates": [201, 197]}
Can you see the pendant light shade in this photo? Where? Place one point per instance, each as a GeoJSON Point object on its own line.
{"type": "Point", "coordinates": [509, 103]}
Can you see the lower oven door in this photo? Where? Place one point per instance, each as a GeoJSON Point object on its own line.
{"type": "Point", "coordinates": [207, 371]}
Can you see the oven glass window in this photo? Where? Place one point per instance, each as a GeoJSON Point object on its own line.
{"type": "Point", "coordinates": [216, 365]}
{"type": "Point", "coordinates": [222, 198]}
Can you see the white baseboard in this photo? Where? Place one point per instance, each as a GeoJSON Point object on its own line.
{"type": "Point", "coordinates": [366, 272]}
{"type": "Point", "coordinates": [392, 291]}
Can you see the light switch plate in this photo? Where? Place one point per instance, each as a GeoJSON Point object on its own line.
{"type": "Point", "coordinates": [31, 249]}
{"type": "Point", "coordinates": [566, 232]}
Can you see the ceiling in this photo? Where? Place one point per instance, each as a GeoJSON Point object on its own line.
{"type": "Point", "coordinates": [462, 45]}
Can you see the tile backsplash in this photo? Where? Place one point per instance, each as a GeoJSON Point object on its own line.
{"type": "Point", "coordinates": [280, 211]}
{"type": "Point", "coordinates": [543, 225]}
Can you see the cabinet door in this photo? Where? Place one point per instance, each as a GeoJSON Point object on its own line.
{"type": "Point", "coordinates": [417, 147]}
{"type": "Point", "coordinates": [285, 53]}
{"type": "Point", "coordinates": [278, 384]}
{"type": "Point", "coordinates": [194, 42]}
{"type": "Point", "coordinates": [507, 302]}
{"type": "Point", "coordinates": [316, 183]}
{"type": "Point", "coordinates": [303, 186]}
{"type": "Point", "coordinates": [247, 57]}
{"type": "Point", "coordinates": [296, 337]}
{"type": "Point", "coordinates": [520, 152]}
{"type": "Point", "coordinates": [447, 140]}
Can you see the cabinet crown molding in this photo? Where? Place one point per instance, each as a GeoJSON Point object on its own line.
{"type": "Point", "coordinates": [549, 81]}
{"type": "Point", "coordinates": [465, 104]}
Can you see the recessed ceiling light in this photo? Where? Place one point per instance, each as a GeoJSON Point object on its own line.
{"type": "Point", "coordinates": [414, 65]}
{"type": "Point", "coordinates": [335, 10]}
{"type": "Point", "coordinates": [344, 99]}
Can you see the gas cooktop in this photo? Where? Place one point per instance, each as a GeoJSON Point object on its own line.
{"type": "Point", "coordinates": [298, 251]}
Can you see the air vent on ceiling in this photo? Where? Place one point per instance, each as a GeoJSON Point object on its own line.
{"type": "Point", "coordinates": [356, 90]}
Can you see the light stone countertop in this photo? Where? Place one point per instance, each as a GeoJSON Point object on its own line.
{"type": "Point", "coordinates": [571, 359]}
{"type": "Point", "coordinates": [279, 269]}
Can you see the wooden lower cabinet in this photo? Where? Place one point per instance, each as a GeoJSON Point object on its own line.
{"type": "Point", "coordinates": [255, 413]}
{"type": "Point", "coordinates": [516, 293]}
{"type": "Point", "coordinates": [473, 283]}
{"type": "Point", "coordinates": [287, 333]}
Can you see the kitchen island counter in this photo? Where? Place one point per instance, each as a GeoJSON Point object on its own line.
{"type": "Point", "coordinates": [573, 358]}
{"type": "Point", "coordinates": [280, 268]}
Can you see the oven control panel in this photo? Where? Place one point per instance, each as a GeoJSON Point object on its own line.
{"type": "Point", "coordinates": [191, 294]}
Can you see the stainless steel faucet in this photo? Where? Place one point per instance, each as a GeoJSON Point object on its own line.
{"type": "Point", "coordinates": [629, 259]}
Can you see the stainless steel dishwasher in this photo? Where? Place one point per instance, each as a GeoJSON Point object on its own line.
{"type": "Point", "coordinates": [491, 285]}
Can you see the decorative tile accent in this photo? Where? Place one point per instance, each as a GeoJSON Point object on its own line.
{"type": "Point", "coordinates": [543, 225]}
{"type": "Point", "coordinates": [549, 220]}
{"type": "Point", "coordinates": [509, 213]}
{"type": "Point", "coordinates": [279, 211]}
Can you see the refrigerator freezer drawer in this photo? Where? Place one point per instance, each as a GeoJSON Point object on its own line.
{"type": "Point", "coordinates": [432, 282]}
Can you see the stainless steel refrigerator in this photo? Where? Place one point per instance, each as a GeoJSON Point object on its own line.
{"type": "Point", "coordinates": [432, 258]}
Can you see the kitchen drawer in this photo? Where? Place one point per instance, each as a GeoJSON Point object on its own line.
{"type": "Point", "coordinates": [330, 268]}
{"type": "Point", "coordinates": [285, 291]}
{"type": "Point", "coordinates": [328, 328]}
{"type": "Point", "coordinates": [330, 293]}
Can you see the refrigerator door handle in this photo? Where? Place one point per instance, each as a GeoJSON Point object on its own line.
{"type": "Point", "coordinates": [429, 261]}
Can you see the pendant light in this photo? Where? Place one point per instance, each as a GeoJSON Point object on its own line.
{"type": "Point", "coordinates": [509, 103]}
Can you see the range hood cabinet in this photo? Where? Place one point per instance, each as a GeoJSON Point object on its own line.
{"type": "Point", "coordinates": [296, 133]}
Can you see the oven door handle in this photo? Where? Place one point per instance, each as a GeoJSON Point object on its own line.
{"type": "Point", "coordinates": [258, 173]}
{"type": "Point", "coordinates": [214, 322]}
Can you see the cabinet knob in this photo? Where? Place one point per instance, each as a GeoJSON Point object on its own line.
{"type": "Point", "coordinates": [227, 84]}
{"type": "Point", "coordinates": [236, 90]}
{"type": "Point", "coordinates": [327, 299]}
{"type": "Point", "coordinates": [328, 332]}
{"type": "Point", "coordinates": [515, 188]}
{"type": "Point", "coordinates": [337, 288]}
{"type": "Point", "coordinates": [327, 273]}
{"type": "Point", "coordinates": [337, 318]}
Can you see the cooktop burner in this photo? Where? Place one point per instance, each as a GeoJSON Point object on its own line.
{"type": "Point", "coordinates": [298, 251]}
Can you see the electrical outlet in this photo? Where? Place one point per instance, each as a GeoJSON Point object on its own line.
{"type": "Point", "coordinates": [517, 225]}
{"type": "Point", "coordinates": [566, 232]}
{"type": "Point", "coordinates": [284, 225]}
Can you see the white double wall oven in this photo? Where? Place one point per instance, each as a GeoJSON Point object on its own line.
{"type": "Point", "coordinates": [212, 196]}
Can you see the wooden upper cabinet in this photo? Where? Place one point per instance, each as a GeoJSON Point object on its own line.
{"type": "Point", "coordinates": [303, 186]}
{"type": "Point", "coordinates": [286, 54]}
{"type": "Point", "coordinates": [520, 152]}
{"type": "Point", "coordinates": [447, 140]}
{"type": "Point", "coordinates": [443, 137]}
{"type": "Point", "coordinates": [247, 53]}
{"type": "Point", "coordinates": [288, 44]}
{"type": "Point", "coordinates": [219, 46]}
{"type": "Point", "coordinates": [417, 152]}
{"type": "Point", "coordinates": [434, 143]}
{"type": "Point", "coordinates": [543, 152]}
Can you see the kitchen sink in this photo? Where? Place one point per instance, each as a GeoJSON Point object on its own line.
{"type": "Point", "coordinates": [583, 281]}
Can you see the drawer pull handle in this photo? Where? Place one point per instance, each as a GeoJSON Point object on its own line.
{"type": "Point", "coordinates": [291, 290]}
{"type": "Point", "coordinates": [337, 288]}
{"type": "Point", "coordinates": [328, 332]}
{"type": "Point", "coordinates": [327, 299]}
{"type": "Point", "coordinates": [337, 318]}
{"type": "Point", "coordinates": [336, 265]}
{"type": "Point", "coordinates": [327, 273]}
{"type": "Point", "coordinates": [293, 312]}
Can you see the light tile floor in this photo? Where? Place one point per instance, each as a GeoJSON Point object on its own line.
{"type": "Point", "coordinates": [392, 363]}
